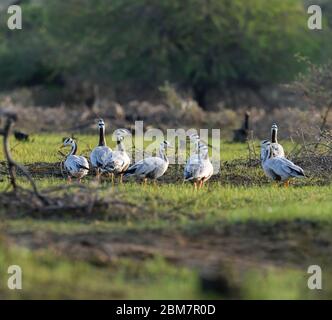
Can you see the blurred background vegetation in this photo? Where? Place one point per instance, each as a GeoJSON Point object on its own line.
{"type": "Point", "coordinates": [205, 48]}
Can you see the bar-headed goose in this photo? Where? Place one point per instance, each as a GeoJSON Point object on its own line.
{"type": "Point", "coordinates": [199, 167]}
{"type": "Point", "coordinates": [277, 149]}
{"type": "Point", "coordinates": [118, 161]}
{"type": "Point", "coordinates": [76, 166]}
{"type": "Point", "coordinates": [242, 134]}
{"type": "Point", "coordinates": [102, 151]}
{"type": "Point", "coordinates": [278, 168]}
{"type": "Point", "coordinates": [151, 167]}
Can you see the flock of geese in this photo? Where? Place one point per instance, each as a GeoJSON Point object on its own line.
{"type": "Point", "coordinates": [197, 170]}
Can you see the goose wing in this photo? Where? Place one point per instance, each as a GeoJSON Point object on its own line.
{"type": "Point", "coordinates": [145, 167]}
{"type": "Point", "coordinates": [76, 163]}
{"type": "Point", "coordinates": [286, 168]}
{"type": "Point", "coordinates": [191, 167]}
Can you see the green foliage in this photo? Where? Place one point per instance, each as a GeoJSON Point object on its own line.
{"type": "Point", "coordinates": [23, 53]}
{"type": "Point", "coordinates": [199, 45]}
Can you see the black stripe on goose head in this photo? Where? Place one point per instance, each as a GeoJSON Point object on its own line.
{"type": "Point", "coordinates": [101, 123]}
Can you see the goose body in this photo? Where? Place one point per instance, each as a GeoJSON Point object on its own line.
{"type": "Point", "coordinates": [102, 151]}
{"type": "Point", "coordinates": [199, 167]}
{"type": "Point", "coordinates": [151, 167]}
{"type": "Point", "coordinates": [99, 155]}
{"type": "Point", "coordinates": [278, 168]}
{"type": "Point", "coordinates": [117, 161]}
{"type": "Point", "coordinates": [76, 166]}
{"type": "Point", "coordinates": [277, 149]}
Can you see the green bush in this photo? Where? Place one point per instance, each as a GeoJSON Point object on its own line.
{"type": "Point", "coordinates": [198, 45]}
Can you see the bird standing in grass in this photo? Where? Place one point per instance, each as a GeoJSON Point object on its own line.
{"type": "Point", "coordinates": [118, 161]}
{"type": "Point", "coordinates": [199, 168]}
{"type": "Point", "coordinates": [151, 167]}
{"type": "Point", "coordinates": [101, 152]}
{"type": "Point", "coordinates": [277, 149]}
{"type": "Point", "coordinates": [76, 166]}
{"type": "Point", "coordinates": [21, 136]}
{"type": "Point", "coordinates": [242, 134]}
{"type": "Point", "coordinates": [278, 168]}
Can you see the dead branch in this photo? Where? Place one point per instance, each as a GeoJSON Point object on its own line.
{"type": "Point", "coordinates": [11, 163]}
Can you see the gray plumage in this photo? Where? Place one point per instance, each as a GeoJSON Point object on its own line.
{"type": "Point", "coordinates": [278, 168]}
{"type": "Point", "coordinates": [117, 161]}
{"type": "Point", "coordinates": [102, 151]}
{"type": "Point", "coordinates": [76, 166]}
{"type": "Point", "coordinates": [151, 167]}
{"type": "Point", "coordinates": [199, 167]}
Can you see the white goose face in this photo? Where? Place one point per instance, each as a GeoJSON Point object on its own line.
{"type": "Point", "coordinates": [68, 142]}
{"type": "Point", "coordinates": [122, 133]}
{"type": "Point", "coordinates": [194, 137]}
{"type": "Point", "coordinates": [119, 138]}
{"type": "Point", "coordinates": [165, 144]}
{"type": "Point", "coordinates": [101, 123]}
{"type": "Point", "coordinates": [274, 127]}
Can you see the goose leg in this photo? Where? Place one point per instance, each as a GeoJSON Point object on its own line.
{"type": "Point", "coordinates": [121, 178]}
{"type": "Point", "coordinates": [69, 179]}
{"type": "Point", "coordinates": [286, 184]}
{"type": "Point", "coordinates": [195, 185]}
{"type": "Point", "coordinates": [98, 175]}
{"type": "Point", "coordinates": [144, 182]}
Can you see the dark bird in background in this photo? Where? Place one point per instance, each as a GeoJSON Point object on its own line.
{"type": "Point", "coordinates": [242, 134]}
{"type": "Point", "coordinates": [21, 136]}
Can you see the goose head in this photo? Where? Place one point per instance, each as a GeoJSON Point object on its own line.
{"type": "Point", "coordinates": [101, 124]}
{"type": "Point", "coordinates": [121, 133]}
{"type": "Point", "coordinates": [165, 145]}
{"type": "Point", "coordinates": [68, 142]}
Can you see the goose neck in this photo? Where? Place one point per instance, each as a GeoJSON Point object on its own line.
{"type": "Point", "coordinates": [120, 145]}
{"type": "Point", "coordinates": [162, 154]}
{"type": "Point", "coordinates": [274, 135]}
{"type": "Point", "coordinates": [246, 121]}
{"type": "Point", "coordinates": [102, 140]}
{"type": "Point", "coordinates": [73, 149]}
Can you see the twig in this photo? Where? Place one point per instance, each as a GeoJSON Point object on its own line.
{"type": "Point", "coordinates": [12, 164]}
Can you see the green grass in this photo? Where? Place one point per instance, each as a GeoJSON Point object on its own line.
{"type": "Point", "coordinates": [44, 148]}
{"type": "Point", "coordinates": [173, 209]}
